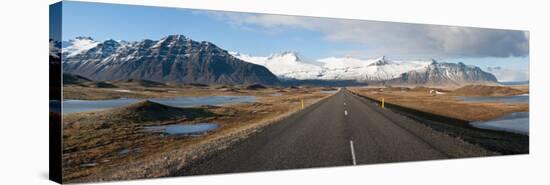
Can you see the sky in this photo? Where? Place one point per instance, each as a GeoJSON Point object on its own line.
{"type": "Point", "coordinates": [314, 38]}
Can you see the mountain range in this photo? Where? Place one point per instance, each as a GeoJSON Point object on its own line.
{"type": "Point", "coordinates": [290, 66]}
{"type": "Point", "coordinates": [178, 59]}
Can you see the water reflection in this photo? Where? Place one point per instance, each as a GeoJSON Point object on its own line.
{"type": "Point", "coordinates": [517, 122]}
{"type": "Point", "coordinates": [185, 130]}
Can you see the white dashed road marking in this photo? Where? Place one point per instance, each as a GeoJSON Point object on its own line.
{"type": "Point", "coordinates": [352, 152]}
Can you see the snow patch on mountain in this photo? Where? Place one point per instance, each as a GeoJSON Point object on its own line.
{"type": "Point", "coordinates": [286, 65]}
{"type": "Point", "coordinates": [289, 65]}
{"type": "Point", "coordinates": [345, 62]}
{"type": "Point", "coordinates": [78, 45]}
{"type": "Point", "coordinates": [250, 59]}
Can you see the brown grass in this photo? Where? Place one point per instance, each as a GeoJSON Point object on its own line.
{"type": "Point", "coordinates": [444, 104]}
{"type": "Point", "coordinates": [484, 90]}
{"type": "Point", "coordinates": [127, 90]}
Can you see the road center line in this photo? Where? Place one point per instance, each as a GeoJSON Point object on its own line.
{"type": "Point", "coordinates": [345, 112]}
{"type": "Point", "coordinates": [352, 152]}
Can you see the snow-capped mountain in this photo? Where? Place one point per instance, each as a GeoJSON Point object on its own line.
{"type": "Point", "coordinates": [174, 58]}
{"type": "Point", "coordinates": [379, 69]}
{"type": "Point", "coordinates": [345, 62]}
{"type": "Point", "coordinates": [288, 65]}
{"type": "Point", "coordinates": [446, 74]}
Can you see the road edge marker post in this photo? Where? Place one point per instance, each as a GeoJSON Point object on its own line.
{"type": "Point", "coordinates": [302, 103]}
{"type": "Point", "coordinates": [382, 102]}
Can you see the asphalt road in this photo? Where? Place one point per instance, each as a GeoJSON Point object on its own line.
{"type": "Point", "coordinates": [341, 130]}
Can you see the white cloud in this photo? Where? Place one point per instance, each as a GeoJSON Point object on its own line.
{"type": "Point", "coordinates": [382, 38]}
{"type": "Point", "coordinates": [509, 75]}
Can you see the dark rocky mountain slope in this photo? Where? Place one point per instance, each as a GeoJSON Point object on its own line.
{"type": "Point", "coordinates": [174, 58]}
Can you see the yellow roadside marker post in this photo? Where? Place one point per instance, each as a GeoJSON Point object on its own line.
{"type": "Point", "coordinates": [302, 103]}
{"type": "Point", "coordinates": [382, 102]}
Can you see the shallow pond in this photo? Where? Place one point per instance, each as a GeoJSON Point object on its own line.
{"type": "Point", "coordinates": [517, 122]}
{"type": "Point", "coordinates": [524, 98]}
{"type": "Point", "coordinates": [70, 106]}
{"type": "Point", "coordinates": [189, 101]}
{"type": "Point", "coordinates": [183, 130]}
{"type": "Point", "coordinates": [329, 91]}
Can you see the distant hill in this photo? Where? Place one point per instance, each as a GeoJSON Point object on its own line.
{"type": "Point", "coordinates": [255, 87]}
{"type": "Point", "coordinates": [71, 79]}
{"type": "Point", "coordinates": [484, 90]}
{"type": "Point", "coordinates": [140, 112]}
{"type": "Point", "coordinates": [152, 111]}
{"type": "Point", "coordinates": [515, 83]}
{"type": "Point", "coordinates": [141, 83]}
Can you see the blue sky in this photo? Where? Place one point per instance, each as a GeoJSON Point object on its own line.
{"type": "Point", "coordinates": [313, 38]}
{"type": "Point", "coordinates": [135, 23]}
